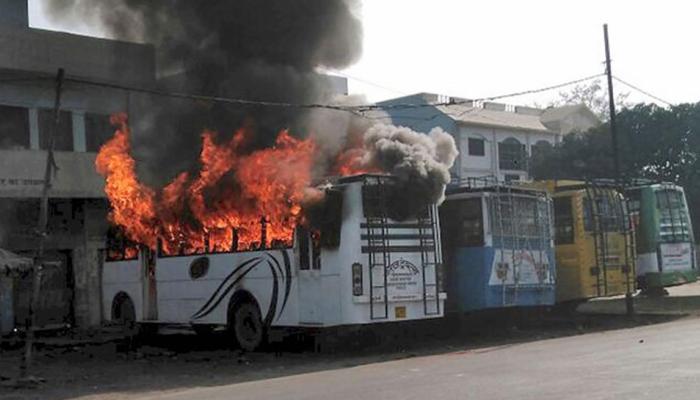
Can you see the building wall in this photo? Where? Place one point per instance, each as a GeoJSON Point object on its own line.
{"type": "Point", "coordinates": [40, 51]}
{"type": "Point", "coordinates": [78, 191]}
{"type": "Point", "coordinates": [488, 164]}
{"type": "Point", "coordinates": [14, 13]}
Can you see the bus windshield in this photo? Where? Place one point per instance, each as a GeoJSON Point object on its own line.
{"type": "Point", "coordinates": [673, 219]}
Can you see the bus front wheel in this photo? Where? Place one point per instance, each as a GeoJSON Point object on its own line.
{"type": "Point", "coordinates": [247, 327]}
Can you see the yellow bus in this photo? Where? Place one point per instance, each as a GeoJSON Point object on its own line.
{"type": "Point", "coordinates": [594, 242]}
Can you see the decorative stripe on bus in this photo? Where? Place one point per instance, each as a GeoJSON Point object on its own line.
{"type": "Point", "coordinates": [399, 236]}
{"type": "Point", "coordinates": [397, 249]}
{"type": "Point", "coordinates": [394, 225]}
{"type": "Point", "coordinates": [245, 268]}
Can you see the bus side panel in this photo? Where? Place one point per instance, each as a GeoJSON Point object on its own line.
{"type": "Point", "coordinates": [472, 268]}
{"type": "Point", "coordinates": [122, 277]}
{"type": "Point", "coordinates": [569, 269]}
{"type": "Point", "coordinates": [205, 300]}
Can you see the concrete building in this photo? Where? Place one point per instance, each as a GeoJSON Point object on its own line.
{"type": "Point", "coordinates": [493, 139]}
{"type": "Point", "coordinates": [28, 61]}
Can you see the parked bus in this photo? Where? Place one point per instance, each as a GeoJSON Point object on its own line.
{"type": "Point", "coordinates": [665, 245]}
{"type": "Point", "coordinates": [363, 267]}
{"type": "Point", "coordinates": [498, 245]}
{"type": "Point", "coordinates": [594, 242]}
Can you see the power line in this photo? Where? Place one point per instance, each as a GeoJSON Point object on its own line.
{"type": "Point", "coordinates": [544, 89]}
{"type": "Point", "coordinates": [367, 82]}
{"type": "Point", "coordinates": [460, 102]}
{"type": "Point", "coordinates": [668, 103]}
{"type": "Point", "coordinates": [355, 109]}
{"type": "Point", "coordinates": [215, 99]}
{"type": "Point", "coordinates": [471, 101]}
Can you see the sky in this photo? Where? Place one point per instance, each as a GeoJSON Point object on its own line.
{"type": "Point", "coordinates": [477, 49]}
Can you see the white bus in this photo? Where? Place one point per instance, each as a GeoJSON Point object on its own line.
{"type": "Point", "coordinates": [363, 267]}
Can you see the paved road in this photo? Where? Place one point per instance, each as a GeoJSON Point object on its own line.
{"type": "Point", "coordinates": [660, 361]}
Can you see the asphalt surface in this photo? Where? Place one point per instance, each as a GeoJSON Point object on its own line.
{"type": "Point", "coordinates": [659, 361]}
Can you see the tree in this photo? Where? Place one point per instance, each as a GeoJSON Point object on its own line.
{"type": "Point", "coordinates": [654, 142]}
{"type": "Point", "coordinates": [594, 95]}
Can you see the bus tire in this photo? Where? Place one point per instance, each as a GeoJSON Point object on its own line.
{"type": "Point", "coordinates": [246, 326]}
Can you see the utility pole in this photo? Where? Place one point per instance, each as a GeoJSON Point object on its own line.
{"type": "Point", "coordinates": [629, 301]}
{"type": "Point", "coordinates": [41, 232]}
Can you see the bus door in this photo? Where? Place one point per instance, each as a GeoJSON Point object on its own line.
{"type": "Point", "coordinates": [309, 277]}
{"type": "Point", "coordinates": [148, 285]}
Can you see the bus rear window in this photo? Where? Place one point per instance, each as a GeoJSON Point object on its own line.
{"type": "Point", "coordinates": [525, 217]}
{"type": "Point", "coordinates": [674, 223]}
{"type": "Point", "coordinates": [608, 212]}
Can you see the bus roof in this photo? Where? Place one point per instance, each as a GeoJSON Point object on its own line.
{"type": "Point", "coordinates": [495, 188]}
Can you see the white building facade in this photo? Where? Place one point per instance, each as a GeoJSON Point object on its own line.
{"type": "Point", "coordinates": [496, 140]}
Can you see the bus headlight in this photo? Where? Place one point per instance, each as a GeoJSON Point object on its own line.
{"type": "Point", "coordinates": [357, 279]}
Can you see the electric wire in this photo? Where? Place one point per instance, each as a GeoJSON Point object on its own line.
{"type": "Point", "coordinates": [355, 109]}
{"type": "Point", "coordinates": [642, 91]}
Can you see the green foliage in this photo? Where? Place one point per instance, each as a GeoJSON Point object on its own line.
{"type": "Point", "coordinates": [656, 143]}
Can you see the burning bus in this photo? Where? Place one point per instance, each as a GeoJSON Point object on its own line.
{"type": "Point", "coordinates": [249, 243]}
{"type": "Point", "coordinates": [364, 265]}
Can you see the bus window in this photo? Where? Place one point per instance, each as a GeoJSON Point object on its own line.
{"type": "Point", "coordinates": [462, 222]}
{"type": "Point", "coordinates": [119, 248]}
{"type": "Point", "coordinates": [673, 219]}
{"type": "Point", "coordinates": [470, 223]}
{"type": "Point", "coordinates": [563, 221]}
{"type": "Point", "coordinates": [315, 250]}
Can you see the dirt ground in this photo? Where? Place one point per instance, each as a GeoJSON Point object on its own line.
{"type": "Point", "coordinates": [179, 361]}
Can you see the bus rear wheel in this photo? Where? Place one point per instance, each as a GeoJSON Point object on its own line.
{"type": "Point", "coordinates": [247, 327]}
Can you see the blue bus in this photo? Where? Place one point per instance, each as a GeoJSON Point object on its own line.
{"type": "Point", "coordinates": [498, 247]}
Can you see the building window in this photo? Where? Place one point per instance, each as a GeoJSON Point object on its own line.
{"type": "Point", "coordinates": [512, 178]}
{"type": "Point", "coordinates": [63, 137]}
{"type": "Point", "coordinates": [540, 149]}
{"type": "Point", "coordinates": [14, 128]}
{"type": "Point", "coordinates": [511, 155]}
{"type": "Point", "coordinates": [476, 147]}
{"type": "Point", "coordinates": [98, 130]}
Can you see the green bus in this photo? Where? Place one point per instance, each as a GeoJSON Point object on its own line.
{"type": "Point", "coordinates": [664, 235]}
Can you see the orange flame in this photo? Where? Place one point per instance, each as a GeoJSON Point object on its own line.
{"type": "Point", "coordinates": [133, 204]}
{"type": "Point", "coordinates": [222, 207]}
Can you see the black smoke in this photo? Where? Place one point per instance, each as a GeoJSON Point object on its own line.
{"type": "Point", "coordinates": [265, 50]}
